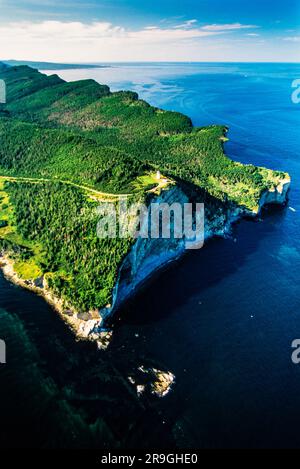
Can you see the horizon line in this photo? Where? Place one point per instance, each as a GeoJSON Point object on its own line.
{"type": "Point", "coordinates": [154, 61]}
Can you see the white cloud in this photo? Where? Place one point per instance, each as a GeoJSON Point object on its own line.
{"type": "Point", "coordinates": [186, 24]}
{"type": "Point", "coordinates": [292, 38]}
{"type": "Point", "coordinates": [228, 27]}
{"type": "Point", "coordinates": [62, 41]}
{"type": "Point", "coordinates": [69, 41]}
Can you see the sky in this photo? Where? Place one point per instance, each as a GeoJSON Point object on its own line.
{"type": "Point", "coordinates": [74, 31]}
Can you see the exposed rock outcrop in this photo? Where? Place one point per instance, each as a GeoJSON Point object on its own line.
{"type": "Point", "coordinates": [276, 195]}
{"type": "Point", "coordinates": [153, 381]}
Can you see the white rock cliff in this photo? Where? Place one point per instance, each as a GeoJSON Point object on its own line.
{"type": "Point", "coordinates": [147, 256]}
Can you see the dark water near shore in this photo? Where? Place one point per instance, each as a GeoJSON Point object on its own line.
{"type": "Point", "coordinates": [222, 319]}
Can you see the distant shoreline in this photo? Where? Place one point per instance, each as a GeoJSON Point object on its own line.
{"type": "Point", "coordinates": [51, 65]}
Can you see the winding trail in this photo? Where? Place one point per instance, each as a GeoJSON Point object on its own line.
{"type": "Point", "coordinates": [101, 195]}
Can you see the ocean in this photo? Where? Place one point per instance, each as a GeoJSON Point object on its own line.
{"type": "Point", "coordinates": [222, 319]}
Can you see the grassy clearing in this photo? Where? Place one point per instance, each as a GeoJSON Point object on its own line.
{"type": "Point", "coordinates": [28, 270]}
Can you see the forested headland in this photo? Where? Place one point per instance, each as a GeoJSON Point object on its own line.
{"type": "Point", "coordinates": [76, 136]}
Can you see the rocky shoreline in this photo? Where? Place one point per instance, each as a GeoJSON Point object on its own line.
{"type": "Point", "coordinates": [84, 329]}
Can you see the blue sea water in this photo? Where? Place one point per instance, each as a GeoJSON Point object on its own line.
{"type": "Point", "coordinates": [223, 318]}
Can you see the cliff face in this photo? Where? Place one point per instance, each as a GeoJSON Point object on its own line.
{"type": "Point", "coordinates": [147, 256]}
{"type": "Point", "coordinates": [276, 195]}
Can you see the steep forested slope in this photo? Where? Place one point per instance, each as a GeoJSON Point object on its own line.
{"type": "Point", "coordinates": [90, 126]}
